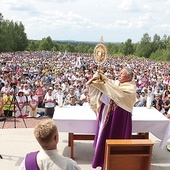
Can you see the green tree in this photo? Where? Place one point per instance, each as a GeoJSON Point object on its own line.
{"type": "Point", "coordinates": [61, 47]}
{"type": "Point", "coordinates": [112, 48]}
{"type": "Point", "coordinates": [7, 39]}
{"type": "Point", "coordinates": [157, 55]}
{"type": "Point", "coordinates": [90, 50]}
{"type": "Point", "coordinates": [156, 44]}
{"type": "Point", "coordinates": [12, 36]}
{"type": "Point", "coordinates": [121, 48]}
{"type": "Point", "coordinates": [21, 37]}
{"type": "Point", "coordinates": [32, 46]}
{"type": "Point", "coordinates": [164, 42]}
{"type": "Point", "coordinates": [1, 17]}
{"type": "Point", "coordinates": [144, 48]}
{"type": "Point", "coordinates": [128, 47]}
{"type": "Point", "coordinates": [55, 47]}
{"type": "Point", "coordinates": [50, 42]}
{"type": "Point", "coordinates": [166, 55]}
{"type": "Point", "coordinates": [1, 32]}
{"type": "Point", "coordinates": [44, 45]}
{"type": "Point", "coordinates": [80, 47]}
{"type": "Point", "coordinates": [168, 44]}
{"type": "Point", "coordinates": [69, 47]}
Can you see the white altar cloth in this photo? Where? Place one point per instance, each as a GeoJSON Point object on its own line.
{"type": "Point", "coordinates": [81, 119]}
{"type": "Point", "coordinates": [75, 119]}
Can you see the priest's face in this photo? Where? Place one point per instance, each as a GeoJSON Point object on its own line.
{"type": "Point", "coordinates": [124, 76]}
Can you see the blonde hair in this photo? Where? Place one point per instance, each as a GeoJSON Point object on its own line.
{"type": "Point", "coordinates": [45, 132]}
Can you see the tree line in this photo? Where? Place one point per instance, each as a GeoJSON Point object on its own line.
{"type": "Point", "coordinates": [14, 38]}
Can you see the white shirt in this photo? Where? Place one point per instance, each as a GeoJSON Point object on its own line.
{"type": "Point", "coordinates": [51, 160]}
{"type": "Point", "coordinates": [82, 97]}
{"type": "Point", "coordinates": [26, 92]}
{"type": "Point", "coordinates": [33, 101]}
{"type": "Point", "coordinates": [5, 89]}
{"type": "Point", "coordinates": [59, 98]}
{"type": "Point", "coordinates": [48, 97]}
{"type": "Point", "coordinates": [21, 100]}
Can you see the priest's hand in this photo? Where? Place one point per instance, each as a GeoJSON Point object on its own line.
{"type": "Point", "coordinates": [98, 78]}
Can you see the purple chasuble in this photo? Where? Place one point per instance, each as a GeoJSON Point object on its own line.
{"type": "Point", "coordinates": [117, 125]}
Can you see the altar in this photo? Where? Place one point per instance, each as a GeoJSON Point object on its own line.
{"type": "Point", "coordinates": [82, 120]}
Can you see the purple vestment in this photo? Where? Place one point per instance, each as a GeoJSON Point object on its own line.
{"type": "Point", "coordinates": [117, 125]}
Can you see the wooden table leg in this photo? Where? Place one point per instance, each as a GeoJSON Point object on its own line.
{"type": "Point", "coordinates": [71, 144]}
{"type": "Point", "coordinates": [69, 134]}
{"type": "Point", "coordinates": [145, 134]}
{"type": "Point", "coordinates": [72, 137]}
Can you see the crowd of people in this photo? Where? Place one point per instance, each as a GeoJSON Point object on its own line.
{"type": "Point", "coordinates": [32, 80]}
{"type": "Point", "coordinates": [46, 79]}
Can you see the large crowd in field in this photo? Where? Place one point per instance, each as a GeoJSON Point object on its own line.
{"type": "Point", "coordinates": [34, 76]}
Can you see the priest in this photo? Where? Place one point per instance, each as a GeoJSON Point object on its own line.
{"type": "Point", "coordinates": [113, 102]}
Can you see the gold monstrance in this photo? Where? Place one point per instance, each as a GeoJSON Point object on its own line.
{"type": "Point", "coordinates": [100, 53]}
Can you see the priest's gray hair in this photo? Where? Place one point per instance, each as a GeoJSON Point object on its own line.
{"type": "Point", "coordinates": [129, 72]}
